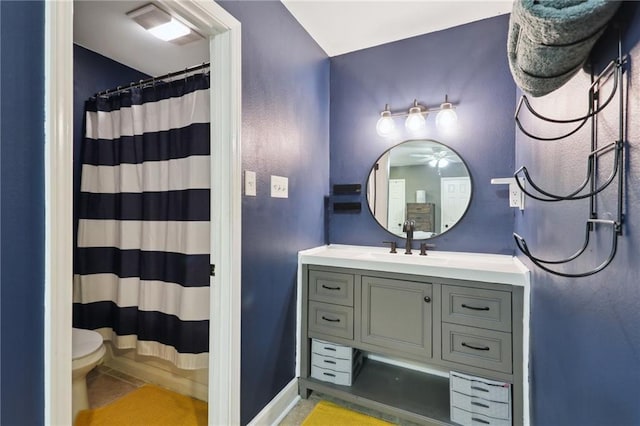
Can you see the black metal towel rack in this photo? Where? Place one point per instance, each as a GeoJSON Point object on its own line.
{"type": "Point", "coordinates": [615, 70]}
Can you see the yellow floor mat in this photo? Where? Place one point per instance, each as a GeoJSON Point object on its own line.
{"type": "Point", "coordinates": [327, 414]}
{"type": "Point", "coordinates": [147, 406]}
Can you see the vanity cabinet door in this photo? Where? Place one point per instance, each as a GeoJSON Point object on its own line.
{"type": "Point", "coordinates": [397, 315]}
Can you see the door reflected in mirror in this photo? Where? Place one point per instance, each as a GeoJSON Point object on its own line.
{"type": "Point", "coordinates": [420, 180]}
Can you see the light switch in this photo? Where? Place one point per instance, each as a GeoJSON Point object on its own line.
{"type": "Point", "coordinates": [279, 187]}
{"type": "Point", "coordinates": [249, 183]}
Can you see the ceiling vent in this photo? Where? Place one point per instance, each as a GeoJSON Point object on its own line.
{"type": "Point", "coordinates": [163, 25]}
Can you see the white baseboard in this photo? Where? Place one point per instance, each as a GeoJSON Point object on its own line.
{"type": "Point", "coordinates": [279, 406]}
{"type": "Point", "coordinates": [156, 371]}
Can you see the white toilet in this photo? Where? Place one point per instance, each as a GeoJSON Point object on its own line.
{"type": "Point", "coordinates": [87, 352]}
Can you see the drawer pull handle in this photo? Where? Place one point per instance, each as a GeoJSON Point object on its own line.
{"type": "Point", "coordinates": [329, 374]}
{"type": "Point", "coordinates": [477, 348]}
{"type": "Point", "coordinates": [479, 404]}
{"type": "Point", "coordinates": [475, 308]}
{"type": "Point", "coordinates": [331, 319]}
{"type": "Point", "coordinates": [479, 389]}
{"type": "Point", "coordinates": [330, 288]}
{"type": "Point", "coordinates": [328, 348]}
{"type": "Point", "coordinates": [475, 419]}
{"type": "Point", "coordinates": [329, 362]}
{"type": "Point", "coordinates": [427, 299]}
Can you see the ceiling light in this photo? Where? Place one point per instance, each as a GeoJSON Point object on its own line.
{"type": "Point", "coordinates": [170, 30]}
{"type": "Point", "coordinates": [159, 23]}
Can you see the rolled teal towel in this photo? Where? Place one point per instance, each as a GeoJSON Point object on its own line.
{"type": "Point", "coordinates": [549, 40]}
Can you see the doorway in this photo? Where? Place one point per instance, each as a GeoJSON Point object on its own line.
{"type": "Point", "coordinates": [224, 363]}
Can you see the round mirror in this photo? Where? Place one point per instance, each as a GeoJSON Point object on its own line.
{"type": "Point", "coordinates": [420, 180]}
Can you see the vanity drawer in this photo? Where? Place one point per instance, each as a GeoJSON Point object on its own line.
{"type": "Point", "coordinates": [336, 364]}
{"type": "Point", "coordinates": [477, 307]}
{"type": "Point", "coordinates": [477, 347]}
{"type": "Point", "coordinates": [321, 347]}
{"type": "Point", "coordinates": [474, 404]}
{"type": "Point", "coordinates": [332, 320]}
{"type": "Point", "coordinates": [331, 287]}
{"type": "Point", "coordinates": [344, 378]}
{"type": "Point", "coordinates": [466, 418]}
{"type": "Point", "coordinates": [479, 387]}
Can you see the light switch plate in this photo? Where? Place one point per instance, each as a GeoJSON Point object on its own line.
{"type": "Point", "coordinates": [279, 187]}
{"type": "Point", "coordinates": [249, 183]}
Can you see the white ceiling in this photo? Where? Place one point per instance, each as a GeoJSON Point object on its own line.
{"type": "Point", "coordinates": [345, 26]}
{"type": "Point", "coordinates": [337, 26]}
{"type": "Point", "coordinates": [103, 27]}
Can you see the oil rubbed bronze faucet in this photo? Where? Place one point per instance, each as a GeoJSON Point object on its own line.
{"type": "Point", "coordinates": [408, 227]}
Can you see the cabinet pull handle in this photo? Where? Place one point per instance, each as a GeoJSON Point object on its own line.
{"type": "Point", "coordinates": [479, 389]}
{"type": "Point", "coordinates": [329, 374]}
{"type": "Point", "coordinates": [479, 404]}
{"type": "Point", "coordinates": [427, 299]}
{"type": "Point", "coordinates": [475, 419]}
{"type": "Point", "coordinates": [331, 319]}
{"type": "Point", "coordinates": [333, 362]}
{"type": "Point", "coordinates": [477, 348]}
{"type": "Point", "coordinates": [327, 348]}
{"type": "Point", "coordinates": [475, 308]}
{"type": "Point", "coordinates": [330, 288]}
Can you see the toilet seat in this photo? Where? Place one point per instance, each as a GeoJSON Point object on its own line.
{"type": "Point", "coordinates": [84, 342]}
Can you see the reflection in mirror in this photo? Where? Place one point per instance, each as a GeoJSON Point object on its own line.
{"type": "Point", "coordinates": [420, 180]}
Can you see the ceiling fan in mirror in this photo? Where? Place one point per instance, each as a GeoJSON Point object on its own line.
{"type": "Point", "coordinates": [437, 158]}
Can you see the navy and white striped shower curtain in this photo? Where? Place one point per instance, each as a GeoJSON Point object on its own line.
{"type": "Point", "coordinates": [142, 260]}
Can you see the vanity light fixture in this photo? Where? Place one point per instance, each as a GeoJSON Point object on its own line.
{"type": "Point", "coordinates": [447, 117]}
{"type": "Point", "coordinates": [385, 125]}
{"type": "Point", "coordinates": [416, 118]}
{"type": "Point", "coordinates": [162, 25]}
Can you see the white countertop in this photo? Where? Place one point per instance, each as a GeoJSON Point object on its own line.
{"type": "Point", "coordinates": [494, 268]}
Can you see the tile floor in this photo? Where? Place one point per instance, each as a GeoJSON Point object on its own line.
{"type": "Point", "coordinates": [105, 385]}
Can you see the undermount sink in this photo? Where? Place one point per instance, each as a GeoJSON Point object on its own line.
{"type": "Point", "coordinates": [494, 268]}
{"type": "Point", "coordinates": [430, 259]}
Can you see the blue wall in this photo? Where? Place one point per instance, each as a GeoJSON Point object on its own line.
{"type": "Point", "coordinates": [470, 65]}
{"type": "Point", "coordinates": [285, 132]}
{"type": "Point", "coordinates": [92, 73]}
{"type": "Point", "coordinates": [585, 340]}
{"type": "Point", "coordinates": [22, 214]}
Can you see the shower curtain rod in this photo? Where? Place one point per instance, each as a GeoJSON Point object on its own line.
{"type": "Point", "coordinates": [151, 80]}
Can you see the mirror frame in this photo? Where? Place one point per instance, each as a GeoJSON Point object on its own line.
{"type": "Point", "coordinates": [466, 210]}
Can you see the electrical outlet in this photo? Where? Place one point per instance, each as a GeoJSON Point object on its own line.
{"type": "Point", "coordinates": [516, 196]}
{"type": "Point", "coordinates": [279, 187]}
{"type": "Point", "coordinates": [250, 183]}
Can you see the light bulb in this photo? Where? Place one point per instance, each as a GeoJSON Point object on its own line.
{"type": "Point", "coordinates": [443, 162]}
{"type": "Point", "coordinates": [170, 31]}
{"type": "Point", "coordinates": [385, 125]}
{"type": "Point", "coordinates": [433, 163]}
{"type": "Point", "coordinates": [415, 121]}
{"type": "Point", "coordinates": [446, 118]}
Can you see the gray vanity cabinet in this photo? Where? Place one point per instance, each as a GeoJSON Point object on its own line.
{"type": "Point", "coordinates": [400, 320]}
{"type": "Point", "coordinates": [397, 315]}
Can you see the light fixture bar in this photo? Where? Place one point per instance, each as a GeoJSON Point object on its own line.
{"type": "Point", "coordinates": [416, 115]}
{"type": "Point", "coordinates": [424, 109]}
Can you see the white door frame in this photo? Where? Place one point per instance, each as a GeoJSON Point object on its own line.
{"type": "Point", "coordinates": [224, 360]}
